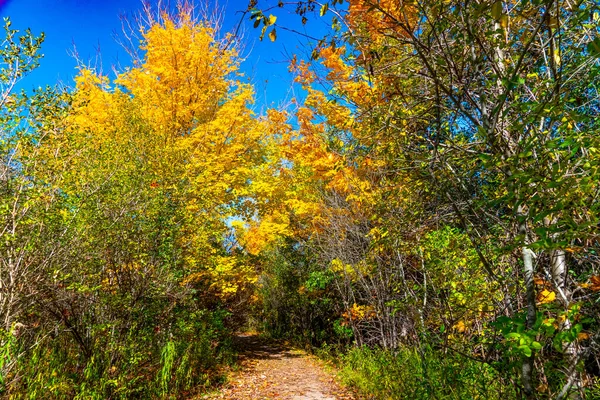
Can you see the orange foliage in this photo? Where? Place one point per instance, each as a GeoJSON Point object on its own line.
{"type": "Point", "coordinates": [382, 17]}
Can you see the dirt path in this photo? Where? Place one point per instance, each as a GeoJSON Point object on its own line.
{"type": "Point", "coordinates": [272, 370]}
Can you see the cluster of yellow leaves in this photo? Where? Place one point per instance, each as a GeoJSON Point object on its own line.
{"type": "Point", "coordinates": [332, 60]}
{"type": "Point", "coordinates": [264, 232]}
{"type": "Point", "coordinates": [92, 90]}
{"type": "Point", "coordinates": [355, 88]}
{"type": "Point", "coordinates": [382, 17]}
{"type": "Point", "coordinates": [353, 272]}
{"type": "Point", "coordinates": [323, 163]}
{"type": "Point", "coordinates": [460, 326]}
{"type": "Point", "coordinates": [228, 275]}
{"type": "Point", "coordinates": [358, 313]}
{"type": "Point", "coordinates": [319, 162]}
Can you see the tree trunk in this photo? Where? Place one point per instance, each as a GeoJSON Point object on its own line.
{"type": "Point", "coordinates": [559, 273]}
{"type": "Point", "coordinates": [528, 271]}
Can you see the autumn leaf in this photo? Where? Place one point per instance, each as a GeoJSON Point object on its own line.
{"type": "Point", "coordinates": [546, 296]}
{"type": "Point", "coordinates": [273, 35]}
{"type": "Point", "coordinates": [460, 326]}
{"type": "Point", "coordinates": [583, 336]}
{"type": "Point", "coordinates": [540, 282]}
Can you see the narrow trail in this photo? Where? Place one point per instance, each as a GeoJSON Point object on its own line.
{"type": "Point", "coordinates": [271, 370]}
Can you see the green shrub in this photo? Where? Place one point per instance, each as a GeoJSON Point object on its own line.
{"type": "Point", "coordinates": [143, 363]}
{"type": "Point", "coordinates": [413, 374]}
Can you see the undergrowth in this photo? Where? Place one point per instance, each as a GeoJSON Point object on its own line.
{"type": "Point", "coordinates": [408, 373]}
{"type": "Point", "coordinates": [140, 364]}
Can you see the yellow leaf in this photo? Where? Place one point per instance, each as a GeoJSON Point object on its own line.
{"type": "Point", "coordinates": [542, 388]}
{"type": "Point", "coordinates": [273, 35]}
{"type": "Point", "coordinates": [557, 57]}
{"type": "Point", "coordinates": [546, 296]}
{"type": "Point", "coordinates": [460, 326]}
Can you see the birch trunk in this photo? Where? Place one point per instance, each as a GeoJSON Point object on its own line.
{"type": "Point", "coordinates": [559, 273]}
{"type": "Point", "coordinates": [527, 370]}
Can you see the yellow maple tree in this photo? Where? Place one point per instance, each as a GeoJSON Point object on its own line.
{"type": "Point", "coordinates": [183, 116]}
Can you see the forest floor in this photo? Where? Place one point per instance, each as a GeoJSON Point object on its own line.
{"type": "Point", "coordinates": [275, 370]}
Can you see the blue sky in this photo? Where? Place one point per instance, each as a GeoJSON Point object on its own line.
{"type": "Point", "coordinates": [89, 27]}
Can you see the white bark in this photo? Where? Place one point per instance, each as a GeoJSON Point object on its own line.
{"type": "Point", "coordinates": [528, 272]}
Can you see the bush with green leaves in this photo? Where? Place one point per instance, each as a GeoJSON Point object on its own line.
{"type": "Point", "coordinates": [421, 373]}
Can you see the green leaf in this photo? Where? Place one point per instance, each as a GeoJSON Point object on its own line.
{"type": "Point", "coordinates": [526, 350]}
{"type": "Point", "coordinates": [593, 47]}
{"type": "Point", "coordinates": [484, 157]}
{"type": "Point", "coordinates": [549, 330]}
{"type": "Point", "coordinates": [497, 10]}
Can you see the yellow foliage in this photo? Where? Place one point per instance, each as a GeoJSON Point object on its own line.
{"type": "Point", "coordinates": [460, 326]}
{"type": "Point", "coordinates": [382, 17]}
{"type": "Point", "coordinates": [265, 232]}
{"type": "Point", "coordinates": [181, 118]}
{"type": "Point", "coordinates": [229, 275]}
{"type": "Point", "coordinates": [546, 296]}
{"type": "Point", "coordinates": [359, 313]}
{"type": "Point", "coordinates": [351, 271]}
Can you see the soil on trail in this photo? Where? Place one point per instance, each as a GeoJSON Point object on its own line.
{"type": "Point", "coordinates": [272, 370]}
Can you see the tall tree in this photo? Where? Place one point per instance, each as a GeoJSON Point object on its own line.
{"type": "Point", "coordinates": [497, 137]}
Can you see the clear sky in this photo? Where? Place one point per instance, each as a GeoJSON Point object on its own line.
{"type": "Point", "coordinates": [90, 26]}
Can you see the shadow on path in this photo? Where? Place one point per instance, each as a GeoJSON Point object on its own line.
{"type": "Point", "coordinates": [253, 347]}
{"type": "Point", "coordinates": [271, 369]}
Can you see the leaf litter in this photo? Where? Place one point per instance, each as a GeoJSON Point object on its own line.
{"type": "Point", "coordinates": [274, 370]}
